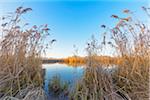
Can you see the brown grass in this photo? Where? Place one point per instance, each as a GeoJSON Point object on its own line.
{"type": "Point", "coordinates": [20, 60]}
{"type": "Point", "coordinates": [21, 48]}
{"type": "Point", "coordinates": [130, 39]}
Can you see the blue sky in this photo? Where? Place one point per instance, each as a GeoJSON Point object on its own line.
{"type": "Point", "coordinates": [73, 22]}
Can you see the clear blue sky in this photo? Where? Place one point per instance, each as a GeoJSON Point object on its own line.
{"type": "Point", "coordinates": [73, 22]}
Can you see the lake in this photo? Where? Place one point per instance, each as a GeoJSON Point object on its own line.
{"type": "Point", "coordinates": [66, 73]}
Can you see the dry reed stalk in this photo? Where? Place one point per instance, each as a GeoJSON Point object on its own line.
{"type": "Point", "coordinates": [131, 39]}
{"type": "Point", "coordinates": [20, 53]}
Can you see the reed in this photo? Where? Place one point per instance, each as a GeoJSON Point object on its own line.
{"type": "Point", "coordinates": [57, 87]}
{"type": "Point", "coordinates": [21, 48]}
{"type": "Point", "coordinates": [130, 38]}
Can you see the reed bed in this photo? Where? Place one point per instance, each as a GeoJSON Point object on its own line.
{"type": "Point", "coordinates": [130, 38]}
{"type": "Point", "coordinates": [21, 47]}
{"type": "Point", "coordinates": [58, 87]}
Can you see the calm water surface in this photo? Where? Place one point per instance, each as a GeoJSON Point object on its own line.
{"type": "Point", "coordinates": [66, 73]}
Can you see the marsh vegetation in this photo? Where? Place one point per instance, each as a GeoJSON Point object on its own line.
{"type": "Point", "coordinates": [130, 38]}
{"type": "Point", "coordinates": [21, 48]}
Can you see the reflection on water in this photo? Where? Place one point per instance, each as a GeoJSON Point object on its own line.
{"type": "Point", "coordinates": [66, 73]}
